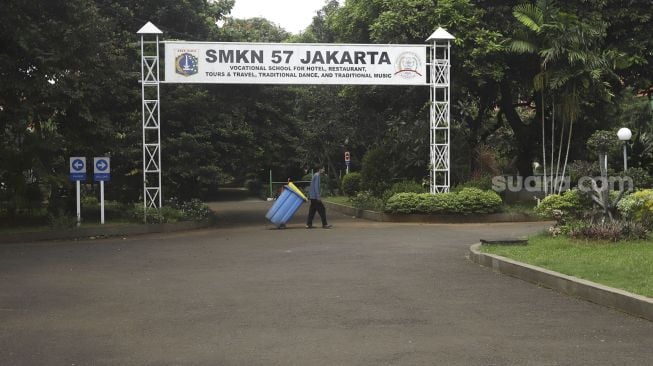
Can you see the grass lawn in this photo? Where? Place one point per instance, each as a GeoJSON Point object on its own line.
{"type": "Point", "coordinates": [627, 265]}
{"type": "Point", "coordinates": [342, 200]}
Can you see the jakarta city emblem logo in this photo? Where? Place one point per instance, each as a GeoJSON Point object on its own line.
{"type": "Point", "coordinates": [186, 63]}
{"type": "Point", "coordinates": [407, 64]}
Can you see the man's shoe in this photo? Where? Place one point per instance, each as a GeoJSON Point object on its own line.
{"type": "Point", "coordinates": [326, 226]}
{"type": "Point", "coordinates": [309, 226]}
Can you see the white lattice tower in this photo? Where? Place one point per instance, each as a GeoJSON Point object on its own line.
{"type": "Point", "coordinates": [151, 109]}
{"type": "Point", "coordinates": [440, 83]}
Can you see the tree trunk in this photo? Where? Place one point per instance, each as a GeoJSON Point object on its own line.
{"type": "Point", "coordinates": [525, 135]}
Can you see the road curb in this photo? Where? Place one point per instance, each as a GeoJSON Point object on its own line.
{"type": "Point", "coordinates": [120, 230]}
{"type": "Point", "coordinates": [621, 300]}
{"type": "Point", "coordinates": [433, 219]}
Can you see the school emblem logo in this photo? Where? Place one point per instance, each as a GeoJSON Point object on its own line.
{"type": "Point", "coordinates": [186, 64]}
{"type": "Point", "coordinates": [407, 64]}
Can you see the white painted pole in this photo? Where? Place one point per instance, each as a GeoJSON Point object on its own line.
{"type": "Point", "coordinates": [625, 158]}
{"type": "Point", "coordinates": [79, 208]}
{"type": "Point", "coordinates": [102, 202]}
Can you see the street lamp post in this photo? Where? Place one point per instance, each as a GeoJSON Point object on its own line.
{"type": "Point", "coordinates": [624, 135]}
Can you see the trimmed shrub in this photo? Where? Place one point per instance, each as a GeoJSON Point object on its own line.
{"type": "Point", "coordinates": [569, 204]}
{"type": "Point", "coordinates": [637, 206]}
{"type": "Point", "coordinates": [603, 142]}
{"type": "Point", "coordinates": [351, 184]}
{"type": "Point", "coordinates": [367, 201]}
{"type": "Point", "coordinates": [433, 204]}
{"type": "Point", "coordinates": [404, 203]}
{"type": "Point", "coordinates": [467, 201]}
{"type": "Point", "coordinates": [406, 186]}
{"type": "Point", "coordinates": [474, 200]}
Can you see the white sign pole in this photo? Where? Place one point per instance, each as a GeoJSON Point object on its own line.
{"type": "Point", "coordinates": [79, 206]}
{"type": "Point", "coordinates": [78, 173]}
{"type": "Point", "coordinates": [101, 173]}
{"type": "Point", "coordinates": [102, 202]}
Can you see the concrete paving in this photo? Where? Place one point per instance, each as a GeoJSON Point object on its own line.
{"type": "Point", "coordinates": [244, 293]}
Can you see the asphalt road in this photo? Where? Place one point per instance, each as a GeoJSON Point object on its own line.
{"type": "Point", "coordinates": [243, 293]}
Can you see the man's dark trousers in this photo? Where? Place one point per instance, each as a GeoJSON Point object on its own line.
{"type": "Point", "coordinates": [316, 205]}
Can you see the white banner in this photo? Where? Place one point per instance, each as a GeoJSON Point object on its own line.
{"type": "Point", "coordinates": [294, 63]}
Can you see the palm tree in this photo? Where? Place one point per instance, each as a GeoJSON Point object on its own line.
{"type": "Point", "coordinates": [572, 64]}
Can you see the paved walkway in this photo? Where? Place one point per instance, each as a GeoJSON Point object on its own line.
{"type": "Point", "coordinates": [363, 293]}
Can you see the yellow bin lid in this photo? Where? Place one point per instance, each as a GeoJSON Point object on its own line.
{"type": "Point", "coordinates": [297, 190]}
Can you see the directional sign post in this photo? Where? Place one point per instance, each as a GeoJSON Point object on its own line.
{"type": "Point", "coordinates": [77, 174]}
{"type": "Point", "coordinates": [101, 173]}
{"type": "Point", "coordinates": [77, 168]}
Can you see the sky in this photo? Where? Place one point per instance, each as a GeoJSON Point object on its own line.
{"type": "Point", "coordinates": [292, 15]}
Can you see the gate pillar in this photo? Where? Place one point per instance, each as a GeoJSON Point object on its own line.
{"type": "Point", "coordinates": [151, 108]}
{"type": "Point", "coordinates": [439, 85]}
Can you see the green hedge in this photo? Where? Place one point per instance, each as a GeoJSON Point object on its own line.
{"type": "Point", "coordinates": [405, 186]}
{"type": "Point", "coordinates": [569, 204]}
{"type": "Point", "coordinates": [351, 184]}
{"type": "Point", "coordinates": [465, 202]}
{"type": "Point", "coordinates": [638, 207]}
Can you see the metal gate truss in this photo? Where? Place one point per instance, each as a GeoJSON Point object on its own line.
{"type": "Point", "coordinates": [151, 112]}
{"type": "Point", "coordinates": [440, 134]}
{"type": "Point", "coordinates": [151, 197]}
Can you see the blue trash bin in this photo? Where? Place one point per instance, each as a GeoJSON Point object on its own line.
{"type": "Point", "coordinates": [286, 205]}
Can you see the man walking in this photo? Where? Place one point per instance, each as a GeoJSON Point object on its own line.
{"type": "Point", "coordinates": [316, 202]}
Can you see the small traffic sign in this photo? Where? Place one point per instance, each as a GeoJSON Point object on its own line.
{"type": "Point", "coordinates": [77, 168]}
{"type": "Point", "coordinates": [347, 157]}
{"type": "Point", "coordinates": [101, 169]}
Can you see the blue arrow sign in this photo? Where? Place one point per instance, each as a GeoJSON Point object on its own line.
{"type": "Point", "coordinates": [101, 165]}
{"type": "Point", "coordinates": [77, 168]}
{"type": "Point", "coordinates": [102, 170]}
{"type": "Point", "coordinates": [78, 165]}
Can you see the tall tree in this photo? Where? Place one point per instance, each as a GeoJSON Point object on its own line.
{"type": "Point", "coordinates": [573, 65]}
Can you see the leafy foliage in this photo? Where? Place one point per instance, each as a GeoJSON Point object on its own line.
{"type": "Point", "coordinates": [603, 142]}
{"type": "Point", "coordinates": [638, 207]}
{"type": "Point", "coordinates": [351, 184]}
{"type": "Point", "coordinates": [568, 205]}
{"type": "Point", "coordinates": [365, 200]}
{"type": "Point", "coordinates": [406, 186]}
{"type": "Point", "coordinates": [375, 176]}
{"type": "Point", "coordinates": [607, 230]}
{"type": "Point", "coordinates": [466, 202]}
